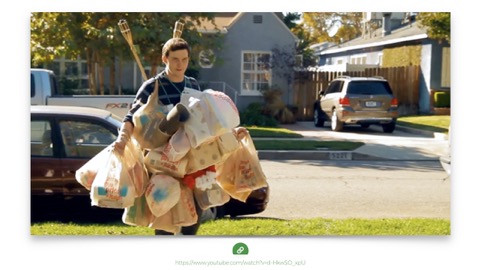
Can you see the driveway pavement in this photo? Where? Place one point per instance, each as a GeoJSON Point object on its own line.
{"type": "Point", "coordinates": [404, 144]}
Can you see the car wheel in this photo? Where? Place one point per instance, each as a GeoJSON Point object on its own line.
{"type": "Point", "coordinates": [388, 128]}
{"type": "Point", "coordinates": [337, 125]}
{"type": "Point", "coordinates": [318, 119]}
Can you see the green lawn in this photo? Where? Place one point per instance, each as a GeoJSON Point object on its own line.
{"type": "Point", "coordinates": [265, 227]}
{"type": "Point", "coordinates": [436, 123]}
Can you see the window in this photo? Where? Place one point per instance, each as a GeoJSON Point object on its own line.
{"type": "Point", "coordinates": [74, 74]}
{"type": "Point", "coordinates": [358, 59]}
{"type": "Point", "coordinates": [256, 72]}
{"type": "Point", "coordinates": [41, 138]}
{"type": "Point", "coordinates": [84, 139]}
{"type": "Point", "coordinates": [445, 67]}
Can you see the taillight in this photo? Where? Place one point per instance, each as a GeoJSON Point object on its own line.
{"type": "Point", "coordinates": [345, 101]}
{"type": "Point", "coordinates": [394, 102]}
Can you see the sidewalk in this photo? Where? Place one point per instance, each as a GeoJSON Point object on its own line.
{"type": "Point", "coordinates": [431, 147]}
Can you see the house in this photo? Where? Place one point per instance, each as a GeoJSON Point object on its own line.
{"type": "Point", "coordinates": [257, 53]}
{"type": "Point", "coordinates": [400, 41]}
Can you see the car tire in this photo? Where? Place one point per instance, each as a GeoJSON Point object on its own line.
{"type": "Point", "coordinates": [336, 124]}
{"type": "Point", "coordinates": [388, 128]}
{"type": "Point", "coordinates": [318, 119]}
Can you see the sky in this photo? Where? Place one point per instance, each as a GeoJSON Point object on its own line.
{"type": "Point", "coordinates": [318, 252]}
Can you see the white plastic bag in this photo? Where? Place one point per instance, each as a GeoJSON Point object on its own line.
{"type": "Point", "coordinates": [162, 193]}
{"type": "Point", "coordinates": [113, 186]}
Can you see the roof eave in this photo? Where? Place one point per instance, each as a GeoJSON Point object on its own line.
{"type": "Point", "coordinates": [375, 44]}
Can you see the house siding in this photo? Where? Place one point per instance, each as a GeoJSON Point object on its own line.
{"type": "Point", "coordinates": [245, 35]}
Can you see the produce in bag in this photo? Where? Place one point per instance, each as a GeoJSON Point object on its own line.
{"type": "Point", "coordinates": [138, 214]}
{"type": "Point", "coordinates": [87, 173]}
{"type": "Point", "coordinates": [113, 187]}
{"type": "Point", "coordinates": [162, 193]}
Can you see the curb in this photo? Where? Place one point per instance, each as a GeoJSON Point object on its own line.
{"type": "Point", "coordinates": [336, 155]}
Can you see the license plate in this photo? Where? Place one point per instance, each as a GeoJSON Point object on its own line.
{"type": "Point", "coordinates": [370, 103]}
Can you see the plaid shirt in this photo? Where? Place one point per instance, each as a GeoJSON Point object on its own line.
{"type": "Point", "coordinates": [168, 92]}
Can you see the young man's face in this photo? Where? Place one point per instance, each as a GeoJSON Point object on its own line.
{"type": "Point", "coordinates": [177, 62]}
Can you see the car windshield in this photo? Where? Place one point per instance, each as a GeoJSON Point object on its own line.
{"type": "Point", "coordinates": [369, 88]}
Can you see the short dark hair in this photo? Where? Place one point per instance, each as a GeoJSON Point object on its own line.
{"type": "Point", "coordinates": [175, 44]}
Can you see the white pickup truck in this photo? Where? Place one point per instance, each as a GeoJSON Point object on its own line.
{"type": "Point", "coordinates": [44, 91]}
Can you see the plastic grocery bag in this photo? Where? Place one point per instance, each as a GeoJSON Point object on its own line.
{"type": "Point", "coordinates": [212, 113]}
{"type": "Point", "coordinates": [165, 223]}
{"type": "Point", "coordinates": [241, 173]}
{"type": "Point", "coordinates": [249, 174]}
{"type": "Point", "coordinates": [206, 191]}
{"type": "Point", "coordinates": [184, 212]}
{"type": "Point", "coordinates": [87, 173]}
{"type": "Point", "coordinates": [138, 214]}
{"type": "Point", "coordinates": [147, 120]}
{"type": "Point", "coordinates": [135, 165]}
{"type": "Point", "coordinates": [113, 187]}
{"type": "Point", "coordinates": [224, 110]}
{"type": "Point", "coordinates": [162, 193]}
{"type": "Point", "coordinates": [157, 161]}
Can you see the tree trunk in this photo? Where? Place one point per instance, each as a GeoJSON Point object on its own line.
{"type": "Point", "coordinates": [112, 78]}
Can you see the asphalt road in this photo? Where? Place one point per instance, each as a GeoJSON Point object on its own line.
{"type": "Point", "coordinates": [356, 189]}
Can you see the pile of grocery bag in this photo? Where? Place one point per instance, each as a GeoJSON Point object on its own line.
{"type": "Point", "coordinates": [156, 177]}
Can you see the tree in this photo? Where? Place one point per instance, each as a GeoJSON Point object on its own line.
{"type": "Point", "coordinates": [437, 24]}
{"type": "Point", "coordinates": [333, 26]}
{"type": "Point", "coordinates": [96, 37]}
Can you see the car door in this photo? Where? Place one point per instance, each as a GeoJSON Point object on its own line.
{"type": "Point", "coordinates": [82, 138]}
{"type": "Point", "coordinates": [45, 162]}
{"type": "Point", "coordinates": [329, 100]}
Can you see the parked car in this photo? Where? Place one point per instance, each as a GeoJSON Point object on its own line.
{"type": "Point", "coordinates": [357, 100]}
{"type": "Point", "coordinates": [63, 138]}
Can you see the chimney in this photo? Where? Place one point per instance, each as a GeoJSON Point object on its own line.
{"type": "Point", "coordinates": [386, 23]}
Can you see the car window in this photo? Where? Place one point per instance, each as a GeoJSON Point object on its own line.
{"type": "Point", "coordinates": [41, 138]}
{"type": "Point", "coordinates": [84, 138]}
{"type": "Point", "coordinates": [334, 87]}
{"type": "Point", "coordinates": [369, 88]}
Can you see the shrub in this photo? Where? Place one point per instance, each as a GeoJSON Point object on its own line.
{"type": "Point", "coordinates": [442, 99]}
{"type": "Point", "coordinates": [254, 115]}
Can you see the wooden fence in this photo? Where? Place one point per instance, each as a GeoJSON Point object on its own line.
{"type": "Point", "coordinates": [404, 81]}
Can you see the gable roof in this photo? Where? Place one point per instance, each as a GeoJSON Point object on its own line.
{"type": "Point", "coordinates": [409, 32]}
{"type": "Point", "coordinates": [225, 20]}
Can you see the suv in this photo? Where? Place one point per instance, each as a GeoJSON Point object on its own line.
{"type": "Point", "coordinates": [357, 100]}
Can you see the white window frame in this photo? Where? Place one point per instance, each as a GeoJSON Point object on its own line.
{"type": "Point", "coordinates": [256, 73]}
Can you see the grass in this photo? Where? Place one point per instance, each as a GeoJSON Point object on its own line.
{"type": "Point", "coordinates": [435, 123]}
{"type": "Point", "coordinates": [266, 227]}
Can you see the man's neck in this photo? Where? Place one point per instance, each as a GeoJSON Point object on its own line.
{"type": "Point", "coordinates": [174, 78]}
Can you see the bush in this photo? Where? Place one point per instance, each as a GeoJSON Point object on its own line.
{"type": "Point", "coordinates": [442, 99]}
{"type": "Point", "coordinates": [254, 115]}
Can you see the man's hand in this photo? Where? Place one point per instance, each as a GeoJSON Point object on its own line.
{"type": "Point", "coordinates": [123, 136]}
{"type": "Point", "coordinates": [240, 133]}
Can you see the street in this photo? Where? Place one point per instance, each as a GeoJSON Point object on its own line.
{"type": "Point", "coordinates": [356, 189]}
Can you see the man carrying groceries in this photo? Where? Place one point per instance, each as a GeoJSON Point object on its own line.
{"type": "Point", "coordinates": [171, 83]}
